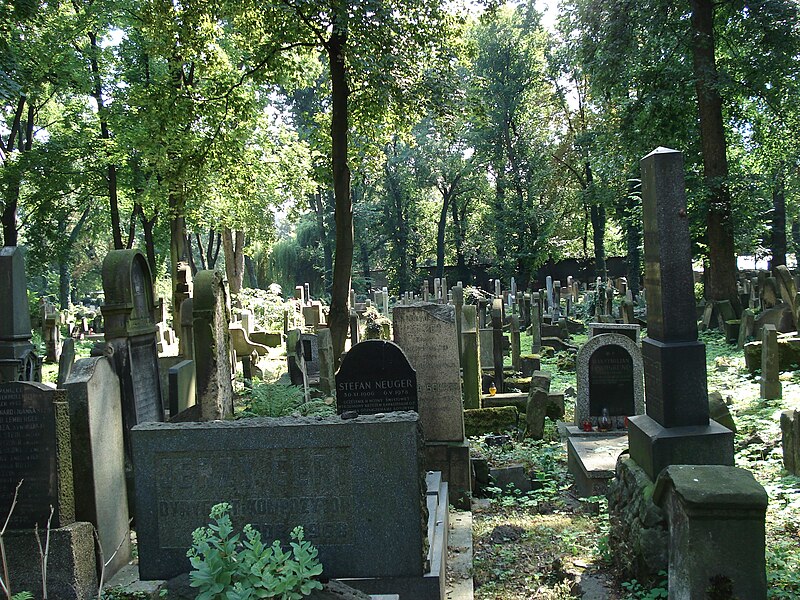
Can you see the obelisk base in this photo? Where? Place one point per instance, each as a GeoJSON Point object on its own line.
{"type": "Point", "coordinates": [655, 447]}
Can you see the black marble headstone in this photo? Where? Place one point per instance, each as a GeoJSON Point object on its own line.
{"type": "Point", "coordinates": [376, 377]}
{"type": "Point", "coordinates": [34, 448]}
{"type": "Point", "coordinates": [611, 381]}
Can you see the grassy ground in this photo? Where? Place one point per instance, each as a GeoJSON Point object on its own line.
{"type": "Point", "coordinates": [538, 545]}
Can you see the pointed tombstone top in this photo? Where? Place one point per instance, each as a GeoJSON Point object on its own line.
{"type": "Point", "coordinates": [662, 150]}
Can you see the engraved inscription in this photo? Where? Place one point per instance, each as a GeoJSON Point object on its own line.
{"type": "Point", "coordinates": [144, 375]}
{"type": "Point", "coordinates": [611, 381]}
{"type": "Point", "coordinates": [272, 489]}
{"type": "Point", "coordinates": [27, 451]}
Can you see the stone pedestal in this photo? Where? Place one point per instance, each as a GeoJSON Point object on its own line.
{"type": "Point", "coordinates": [716, 531]}
{"type": "Point", "coordinates": [675, 378]}
{"type": "Point", "coordinates": [654, 446]}
{"type": "Point", "coordinates": [71, 564]}
{"type": "Point", "coordinates": [592, 461]}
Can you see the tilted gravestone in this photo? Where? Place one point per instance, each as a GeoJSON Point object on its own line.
{"type": "Point", "coordinates": [129, 313]}
{"type": "Point", "coordinates": [98, 456]}
{"type": "Point", "coordinates": [212, 346]}
{"type": "Point", "coordinates": [676, 428]}
{"type": "Point", "coordinates": [35, 446]}
{"type": "Point", "coordinates": [279, 473]}
{"type": "Point", "coordinates": [18, 359]}
{"type": "Point", "coordinates": [609, 376]}
{"type": "Point", "coordinates": [375, 377]}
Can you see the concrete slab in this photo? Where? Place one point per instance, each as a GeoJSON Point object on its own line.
{"type": "Point", "coordinates": [459, 561]}
{"type": "Point", "coordinates": [592, 461]}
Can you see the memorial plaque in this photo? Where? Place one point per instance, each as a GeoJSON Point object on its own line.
{"type": "Point", "coordinates": [308, 346]}
{"type": "Point", "coordinates": [376, 377]}
{"type": "Point", "coordinates": [427, 334]}
{"type": "Point", "coordinates": [34, 447]}
{"type": "Point", "coordinates": [611, 382]}
{"type": "Point", "coordinates": [320, 473]}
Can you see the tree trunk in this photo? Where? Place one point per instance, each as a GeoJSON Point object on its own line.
{"type": "Point", "coordinates": [250, 269]}
{"type": "Point", "coordinates": [339, 317]}
{"type": "Point", "coordinates": [233, 247]}
{"type": "Point", "coordinates": [447, 195]}
{"type": "Point", "coordinates": [778, 237]}
{"type": "Point", "coordinates": [64, 280]}
{"type": "Point", "coordinates": [796, 237]}
{"type": "Point", "coordinates": [149, 240]}
{"type": "Point", "coordinates": [719, 224]}
{"type": "Point", "coordinates": [111, 169]}
{"type": "Point", "coordinates": [460, 228]}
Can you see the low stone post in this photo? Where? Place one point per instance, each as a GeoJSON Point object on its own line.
{"type": "Point", "coordinates": [770, 368]}
{"type": "Point", "coordinates": [716, 531]}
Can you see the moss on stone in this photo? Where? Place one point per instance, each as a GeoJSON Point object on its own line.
{"type": "Point", "coordinates": [480, 421]}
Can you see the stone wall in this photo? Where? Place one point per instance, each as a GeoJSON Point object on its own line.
{"type": "Point", "coordinates": [638, 537]}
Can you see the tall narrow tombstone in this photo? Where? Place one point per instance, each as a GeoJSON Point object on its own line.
{"type": "Point", "coordinates": [497, 288]}
{"type": "Point", "coordinates": [212, 346]}
{"type": "Point", "coordinates": [549, 297]}
{"type": "Point", "coordinates": [186, 341]}
{"type": "Point", "coordinates": [437, 289]}
{"type": "Point", "coordinates": [385, 302]}
{"type": "Point", "coordinates": [497, 343]}
{"type": "Point", "coordinates": [18, 359]}
{"type": "Point", "coordinates": [98, 456]}
{"type": "Point", "coordinates": [327, 369]}
{"type": "Point", "coordinates": [470, 357]}
{"type": "Point", "coordinates": [516, 350]}
{"type": "Point", "coordinates": [299, 294]}
{"type": "Point", "coordinates": [35, 447]}
{"type": "Point", "coordinates": [354, 333]}
{"type": "Point", "coordinates": [536, 326]}
{"type": "Point", "coordinates": [307, 293]}
{"type": "Point", "coordinates": [131, 336]}
{"type": "Point", "coordinates": [770, 368]}
{"type": "Point", "coordinates": [458, 303]}
{"type": "Point", "coordinates": [183, 291]}
{"type": "Point", "coordinates": [676, 428]}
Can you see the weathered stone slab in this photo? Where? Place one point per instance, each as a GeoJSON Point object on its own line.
{"type": "Point", "coordinates": [98, 456]}
{"type": "Point", "coordinates": [716, 531]}
{"type": "Point", "coordinates": [427, 334]}
{"type": "Point", "coordinates": [182, 387]}
{"type": "Point", "coordinates": [376, 377]}
{"type": "Point", "coordinates": [212, 346]}
{"type": "Point", "coordinates": [278, 473]}
{"type": "Point", "coordinates": [592, 461]}
{"type": "Point", "coordinates": [18, 359]}
{"type": "Point", "coordinates": [34, 446]}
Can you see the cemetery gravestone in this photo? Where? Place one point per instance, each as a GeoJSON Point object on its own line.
{"type": "Point", "coordinates": [98, 456]}
{"type": "Point", "coordinates": [131, 336]}
{"type": "Point", "coordinates": [18, 359]}
{"type": "Point", "coordinates": [426, 333]}
{"type": "Point", "coordinates": [327, 383]}
{"type": "Point", "coordinates": [35, 447]}
{"type": "Point", "coordinates": [182, 387]}
{"type": "Point", "coordinates": [470, 357]}
{"type": "Point", "coordinates": [676, 428]}
{"type": "Point", "coordinates": [376, 377]}
{"type": "Point", "coordinates": [328, 468]}
{"type": "Point", "coordinates": [65, 361]}
{"type": "Point", "coordinates": [609, 376]}
{"type": "Point", "coordinates": [212, 346]}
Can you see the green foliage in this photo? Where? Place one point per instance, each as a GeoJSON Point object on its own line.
{"type": "Point", "coordinates": [374, 323]}
{"type": "Point", "coordinates": [22, 596]}
{"type": "Point", "coordinates": [227, 566]}
{"type": "Point", "coordinates": [638, 592]}
{"type": "Point", "coordinates": [266, 305]}
{"type": "Point", "coordinates": [278, 400]}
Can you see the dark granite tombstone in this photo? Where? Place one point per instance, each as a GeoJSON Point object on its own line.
{"type": "Point", "coordinates": [18, 359]}
{"type": "Point", "coordinates": [35, 447]}
{"type": "Point", "coordinates": [317, 472]}
{"type": "Point", "coordinates": [131, 336]}
{"type": "Point", "coordinates": [376, 377]}
{"type": "Point", "coordinates": [676, 428]}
